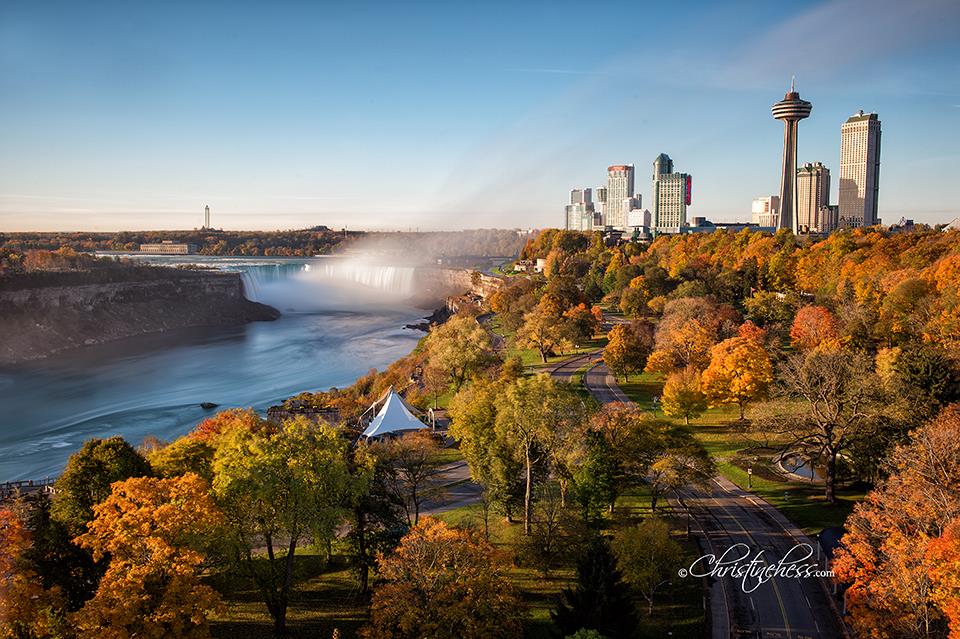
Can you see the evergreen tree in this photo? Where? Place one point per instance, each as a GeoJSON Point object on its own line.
{"type": "Point", "coordinates": [600, 601]}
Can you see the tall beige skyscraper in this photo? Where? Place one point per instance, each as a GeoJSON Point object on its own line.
{"type": "Point", "coordinates": [671, 196]}
{"type": "Point", "coordinates": [813, 193]}
{"type": "Point", "coordinates": [859, 170]}
{"type": "Point", "coordinates": [619, 189]}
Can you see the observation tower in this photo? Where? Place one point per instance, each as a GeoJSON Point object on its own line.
{"type": "Point", "coordinates": [791, 109]}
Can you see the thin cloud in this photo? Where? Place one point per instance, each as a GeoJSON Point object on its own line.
{"type": "Point", "coordinates": [561, 71]}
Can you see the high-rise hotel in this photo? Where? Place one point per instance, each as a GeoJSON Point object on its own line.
{"type": "Point", "coordinates": [579, 213]}
{"type": "Point", "coordinates": [619, 189]}
{"type": "Point", "coordinates": [671, 196]}
{"type": "Point", "coordinates": [813, 194]}
{"type": "Point", "coordinates": [859, 170]}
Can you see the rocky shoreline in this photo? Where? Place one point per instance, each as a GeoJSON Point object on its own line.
{"type": "Point", "coordinates": [42, 321]}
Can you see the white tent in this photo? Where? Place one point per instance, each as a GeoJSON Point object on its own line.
{"type": "Point", "coordinates": [393, 417]}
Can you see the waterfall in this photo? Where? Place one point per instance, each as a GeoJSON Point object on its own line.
{"type": "Point", "coordinates": [325, 283]}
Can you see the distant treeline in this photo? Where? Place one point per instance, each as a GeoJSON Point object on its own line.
{"type": "Point", "coordinates": [318, 240]}
{"type": "Point", "coordinates": [296, 243]}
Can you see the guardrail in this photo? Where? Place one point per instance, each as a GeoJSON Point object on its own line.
{"type": "Point", "coordinates": [11, 488]}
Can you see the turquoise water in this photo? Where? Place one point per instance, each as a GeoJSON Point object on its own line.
{"type": "Point", "coordinates": [337, 324]}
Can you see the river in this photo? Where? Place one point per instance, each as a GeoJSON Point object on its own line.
{"type": "Point", "coordinates": [340, 318]}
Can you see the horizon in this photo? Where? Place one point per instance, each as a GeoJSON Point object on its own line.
{"type": "Point", "coordinates": [118, 117]}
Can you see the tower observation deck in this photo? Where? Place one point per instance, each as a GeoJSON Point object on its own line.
{"type": "Point", "coordinates": [791, 110]}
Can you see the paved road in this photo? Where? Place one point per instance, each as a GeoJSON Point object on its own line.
{"type": "Point", "coordinates": [565, 370]}
{"type": "Point", "coordinates": [459, 490]}
{"type": "Point", "coordinates": [725, 515]}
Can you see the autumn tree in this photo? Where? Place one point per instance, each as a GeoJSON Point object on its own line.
{"type": "Point", "coordinates": [688, 345]}
{"type": "Point", "coordinates": [460, 346]}
{"type": "Point", "coordinates": [683, 395]}
{"type": "Point", "coordinates": [27, 609]}
{"type": "Point", "coordinates": [626, 350]}
{"type": "Point", "coordinates": [278, 489]}
{"type": "Point", "coordinates": [683, 461]}
{"type": "Point", "coordinates": [155, 532]}
{"type": "Point", "coordinates": [739, 372]}
{"type": "Point", "coordinates": [647, 556]}
{"type": "Point", "coordinates": [184, 455]}
{"type": "Point", "coordinates": [899, 555]}
{"type": "Point", "coordinates": [544, 330]}
{"type": "Point", "coordinates": [411, 470]}
{"type": "Point", "coordinates": [815, 327]}
{"type": "Point", "coordinates": [583, 322]}
{"type": "Point", "coordinates": [533, 415]}
{"type": "Point", "coordinates": [226, 420]}
{"type": "Point", "coordinates": [600, 600]}
{"type": "Point", "coordinates": [840, 396]}
{"type": "Point", "coordinates": [439, 579]}
{"type": "Point", "coordinates": [86, 480]}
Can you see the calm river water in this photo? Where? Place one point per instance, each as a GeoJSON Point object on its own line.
{"type": "Point", "coordinates": [341, 318]}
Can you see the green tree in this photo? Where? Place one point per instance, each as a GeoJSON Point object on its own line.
{"type": "Point", "coordinates": [86, 480]}
{"type": "Point", "coordinates": [278, 490]}
{"type": "Point", "coordinates": [600, 600]}
{"type": "Point", "coordinates": [647, 556]}
{"type": "Point", "coordinates": [633, 301]}
{"type": "Point", "coordinates": [533, 415]}
{"type": "Point", "coordinates": [473, 413]}
{"type": "Point", "coordinates": [461, 346]}
{"type": "Point", "coordinates": [595, 478]}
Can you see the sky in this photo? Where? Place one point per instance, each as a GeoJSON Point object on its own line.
{"type": "Point", "coordinates": [449, 115]}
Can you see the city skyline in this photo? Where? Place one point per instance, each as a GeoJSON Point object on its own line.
{"type": "Point", "coordinates": [137, 119]}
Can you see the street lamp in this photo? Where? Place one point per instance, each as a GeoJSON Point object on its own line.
{"type": "Point", "coordinates": [750, 478]}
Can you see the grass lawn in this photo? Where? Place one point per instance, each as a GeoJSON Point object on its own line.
{"type": "Point", "coordinates": [678, 606]}
{"type": "Point", "coordinates": [326, 600]}
{"type": "Point", "coordinates": [802, 502]}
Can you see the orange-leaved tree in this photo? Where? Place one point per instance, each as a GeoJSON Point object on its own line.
{"type": "Point", "coordinates": [815, 327]}
{"type": "Point", "coordinates": [155, 532]}
{"type": "Point", "coordinates": [688, 345]}
{"type": "Point", "coordinates": [26, 609]}
{"type": "Point", "coordinates": [901, 555]}
{"type": "Point", "coordinates": [442, 581]}
{"type": "Point", "coordinates": [739, 372]}
{"type": "Point", "coordinates": [626, 350]}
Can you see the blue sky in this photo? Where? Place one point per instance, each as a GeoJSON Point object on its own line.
{"type": "Point", "coordinates": [448, 115]}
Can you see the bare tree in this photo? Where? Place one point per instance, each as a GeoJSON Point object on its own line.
{"type": "Point", "coordinates": [412, 470]}
{"type": "Point", "coordinates": [839, 395]}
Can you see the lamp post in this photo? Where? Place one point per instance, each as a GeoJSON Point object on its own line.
{"type": "Point", "coordinates": [750, 478]}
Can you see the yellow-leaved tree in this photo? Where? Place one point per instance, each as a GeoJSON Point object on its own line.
{"type": "Point", "coordinates": [739, 372]}
{"type": "Point", "coordinates": [683, 395]}
{"type": "Point", "coordinates": [155, 532]}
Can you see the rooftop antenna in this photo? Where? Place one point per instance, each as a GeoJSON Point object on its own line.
{"type": "Point", "coordinates": [793, 81]}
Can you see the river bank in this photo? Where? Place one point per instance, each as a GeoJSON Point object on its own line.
{"type": "Point", "coordinates": [67, 312]}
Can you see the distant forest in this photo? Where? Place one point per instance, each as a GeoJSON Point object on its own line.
{"type": "Point", "coordinates": [318, 240]}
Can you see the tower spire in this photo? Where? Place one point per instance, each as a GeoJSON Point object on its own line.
{"type": "Point", "coordinates": [793, 82]}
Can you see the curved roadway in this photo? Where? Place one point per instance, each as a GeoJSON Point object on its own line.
{"type": "Point", "coordinates": [781, 608]}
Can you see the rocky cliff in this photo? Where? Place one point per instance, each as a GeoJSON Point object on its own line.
{"type": "Point", "coordinates": [38, 321]}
